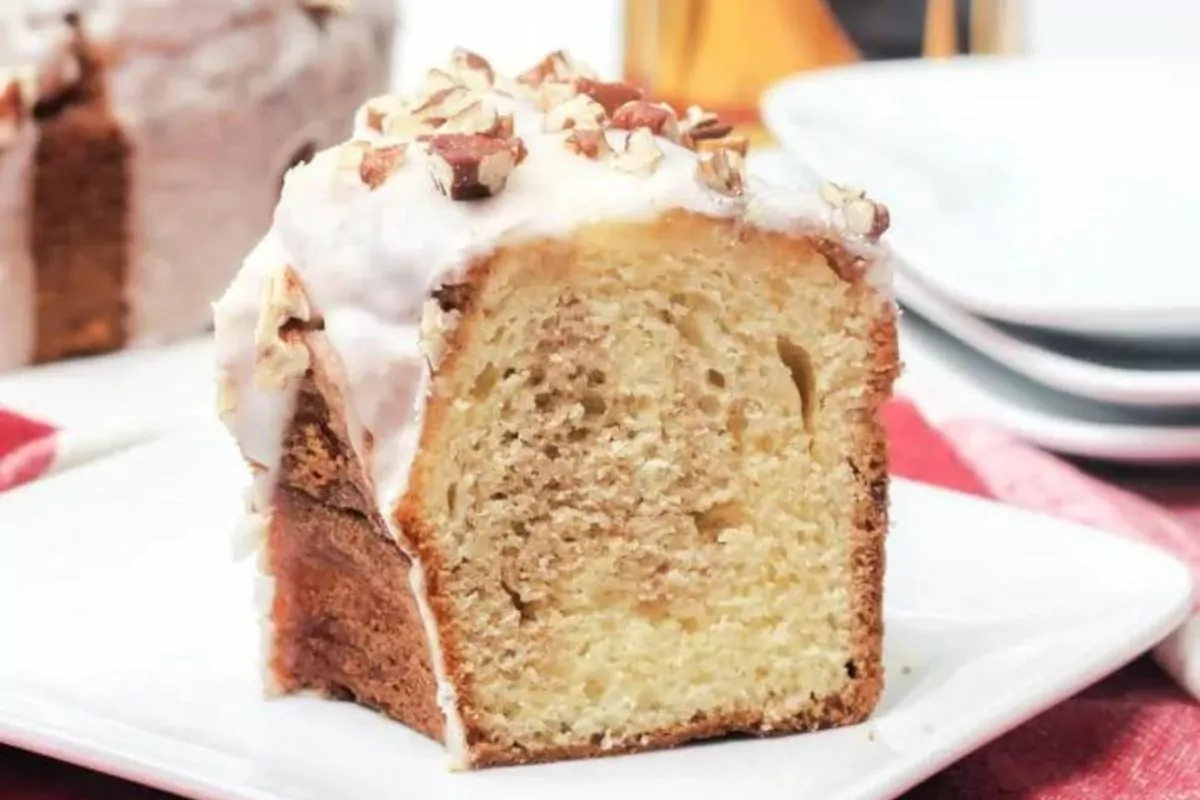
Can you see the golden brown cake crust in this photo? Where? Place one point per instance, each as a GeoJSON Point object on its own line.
{"type": "Point", "coordinates": [345, 621]}
{"type": "Point", "coordinates": [864, 688]}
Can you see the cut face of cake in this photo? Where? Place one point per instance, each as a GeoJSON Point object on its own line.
{"type": "Point", "coordinates": [142, 147]}
{"type": "Point", "coordinates": [564, 431]}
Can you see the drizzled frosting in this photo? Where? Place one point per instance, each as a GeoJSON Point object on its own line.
{"type": "Point", "coordinates": [368, 259]}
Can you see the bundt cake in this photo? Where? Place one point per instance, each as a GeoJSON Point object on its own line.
{"type": "Point", "coordinates": [142, 147]}
{"type": "Point", "coordinates": [563, 431]}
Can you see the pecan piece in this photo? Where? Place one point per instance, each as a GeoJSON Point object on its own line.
{"type": "Point", "coordinates": [700, 125]}
{"type": "Point", "coordinates": [470, 166]}
{"type": "Point", "coordinates": [591, 144]}
{"type": "Point", "coordinates": [472, 69]}
{"type": "Point", "coordinates": [437, 80]}
{"type": "Point", "coordinates": [739, 144]}
{"type": "Point", "coordinates": [658, 118]}
{"type": "Point", "coordinates": [611, 95]}
{"type": "Point", "coordinates": [868, 218]}
{"type": "Point", "coordinates": [443, 104]}
{"type": "Point", "coordinates": [479, 117]}
{"type": "Point", "coordinates": [724, 171]}
{"type": "Point", "coordinates": [580, 111]}
{"type": "Point", "coordinates": [379, 163]}
{"type": "Point", "coordinates": [554, 93]}
{"type": "Point", "coordinates": [557, 66]}
{"type": "Point", "coordinates": [280, 356]}
{"type": "Point", "coordinates": [376, 112]}
{"type": "Point", "coordinates": [641, 155]}
{"type": "Point", "coordinates": [860, 214]}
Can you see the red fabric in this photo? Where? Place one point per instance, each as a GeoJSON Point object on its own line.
{"type": "Point", "coordinates": [1134, 735]}
{"type": "Point", "coordinates": [27, 449]}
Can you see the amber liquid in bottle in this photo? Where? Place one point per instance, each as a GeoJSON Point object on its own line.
{"type": "Point", "coordinates": [723, 54]}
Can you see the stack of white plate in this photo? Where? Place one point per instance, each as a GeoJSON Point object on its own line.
{"type": "Point", "coordinates": [1044, 214]}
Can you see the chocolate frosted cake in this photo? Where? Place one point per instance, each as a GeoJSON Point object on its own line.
{"type": "Point", "coordinates": [142, 147]}
{"type": "Point", "coordinates": [564, 432]}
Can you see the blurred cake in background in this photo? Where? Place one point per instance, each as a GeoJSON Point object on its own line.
{"type": "Point", "coordinates": [142, 147]}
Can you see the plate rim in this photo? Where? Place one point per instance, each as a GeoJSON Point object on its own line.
{"type": "Point", "coordinates": [1068, 374]}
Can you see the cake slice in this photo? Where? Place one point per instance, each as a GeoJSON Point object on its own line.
{"type": "Point", "coordinates": [564, 432]}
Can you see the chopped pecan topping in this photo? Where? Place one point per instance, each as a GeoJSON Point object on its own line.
{"type": "Point", "coordinates": [611, 95]}
{"type": "Point", "coordinates": [437, 80]}
{"type": "Point", "coordinates": [471, 166]}
{"type": "Point", "coordinates": [379, 163]}
{"type": "Point", "coordinates": [479, 117]}
{"type": "Point", "coordinates": [739, 144]}
{"type": "Point", "coordinates": [580, 111]}
{"type": "Point", "coordinates": [472, 70]}
{"type": "Point", "coordinates": [868, 218]}
{"type": "Point", "coordinates": [553, 93]}
{"type": "Point", "coordinates": [591, 144]}
{"type": "Point", "coordinates": [724, 171]}
{"type": "Point", "coordinates": [860, 214]}
{"type": "Point", "coordinates": [658, 118]}
{"type": "Point", "coordinates": [443, 104]}
{"type": "Point", "coordinates": [641, 155]}
{"type": "Point", "coordinates": [701, 125]}
{"type": "Point", "coordinates": [279, 354]}
{"type": "Point", "coordinates": [376, 112]}
{"type": "Point", "coordinates": [557, 66]}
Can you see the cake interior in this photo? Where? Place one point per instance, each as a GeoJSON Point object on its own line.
{"type": "Point", "coordinates": [645, 486]}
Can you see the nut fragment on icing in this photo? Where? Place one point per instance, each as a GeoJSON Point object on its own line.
{"type": "Point", "coordinates": [472, 69]}
{"type": "Point", "coordinates": [865, 217]}
{"type": "Point", "coordinates": [441, 105]}
{"type": "Point", "coordinates": [553, 93]}
{"type": "Point", "coordinates": [379, 163]}
{"type": "Point", "coordinates": [658, 118]}
{"type": "Point", "coordinates": [471, 166]}
{"type": "Point", "coordinates": [592, 144]}
{"type": "Point", "coordinates": [723, 171]}
{"type": "Point", "coordinates": [376, 112]}
{"type": "Point", "coordinates": [739, 144]}
{"type": "Point", "coordinates": [280, 357]}
{"type": "Point", "coordinates": [701, 125]}
{"type": "Point", "coordinates": [478, 117]}
{"type": "Point", "coordinates": [438, 79]}
{"type": "Point", "coordinates": [580, 111]}
{"type": "Point", "coordinates": [610, 94]}
{"type": "Point", "coordinates": [640, 155]}
{"type": "Point", "coordinates": [557, 66]}
{"type": "Point", "coordinates": [860, 215]}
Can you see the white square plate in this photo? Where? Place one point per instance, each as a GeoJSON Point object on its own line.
{"type": "Point", "coordinates": [128, 644]}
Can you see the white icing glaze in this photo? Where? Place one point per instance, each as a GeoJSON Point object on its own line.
{"type": "Point", "coordinates": [368, 260]}
{"type": "Point", "coordinates": [215, 98]}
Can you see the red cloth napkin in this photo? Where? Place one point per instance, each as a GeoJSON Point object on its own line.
{"type": "Point", "coordinates": [1134, 735]}
{"type": "Point", "coordinates": [28, 448]}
